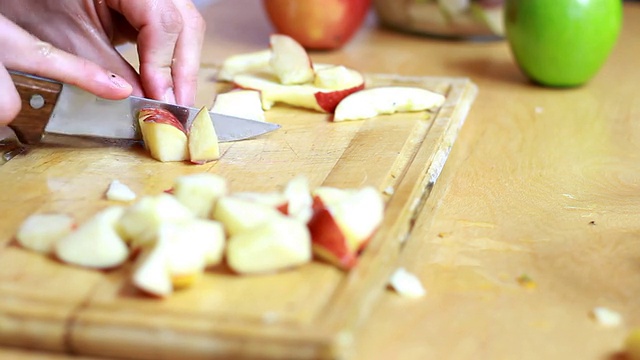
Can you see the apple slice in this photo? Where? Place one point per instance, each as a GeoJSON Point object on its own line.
{"type": "Point", "coordinates": [40, 232]}
{"type": "Point", "coordinates": [277, 244]}
{"type": "Point", "coordinates": [305, 96]}
{"type": "Point", "coordinates": [341, 228]}
{"type": "Point", "coordinates": [299, 200]}
{"type": "Point", "coordinates": [337, 77]}
{"type": "Point", "coordinates": [243, 63]}
{"type": "Point", "coordinates": [96, 243]}
{"type": "Point", "coordinates": [240, 103]}
{"type": "Point", "coordinates": [118, 191]}
{"type": "Point", "coordinates": [151, 272]}
{"type": "Point", "coordinates": [203, 140]}
{"type": "Point", "coordinates": [163, 135]}
{"type": "Point", "coordinates": [290, 61]}
{"type": "Point", "coordinates": [372, 102]}
{"type": "Point", "coordinates": [140, 222]}
{"type": "Point", "coordinates": [238, 215]}
{"type": "Point", "coordinates": [199, 192]}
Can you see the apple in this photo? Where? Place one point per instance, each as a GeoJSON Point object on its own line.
{"type": "Point", "coordinates": [336, 77]}
{"type": "Point", "coordinates": [140, 222]}
{"type": "Point", "coordinates": [163, 135]}
{"type": "Point", "coordinates": [118, 191]}
{"type": "Point", "coordinates": [305, 96]}
{"type": "Point", "coordinates": [199, 192]}
{"type": "Point", "coordinates": [240, 103]}
{"type": "Point", "coordinates": [274, 245]}
{"type": "Point", "coordinates": [238, 214]}
{"type": "Point", "coordinates": [243, 63]}
{"type": "Point", "coordinates": [299, 201]}
{"type": "Point", "coordinates": [40, 232]}
{"type": "Point", "coordinates": [151, 271]}
{"type": "Point", "coordinates": [274, 199]}
{"type": "Point", "coordinates": [203, 140]}
{"type": "Point", "coordinates": [406, 284]}
{"type": "Point", "coordinates": [562, 43]}
{"type": "Point", "coordinates": [342, 224]}
{"type": "Point", "coordinates": [290, 61]}
{"type": "Point", "coordinates": [95, 243]}
{"type": "Point", "coordinates": [372, 102]}
{"type": "Point", "coordinates": [317, 24]}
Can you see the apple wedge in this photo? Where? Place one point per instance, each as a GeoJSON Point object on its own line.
{"type": "Point", "coordinates": [305, 96]}
{"type": "Point", "coordinates": [118, 191]}
{"type": "Point", "coordinates": [240, 103]}
{"type": "Point", "coordinates": [299, 200]}
{"type": "Point", "coordinates": [372, 102]}
{"type": "Point", "coordinates": [95, 243]}
{"type": "Point", "coordinates": [140, 222]}
{"type": "Point", "coordinates": [244, 63]}
{"type": "Point", "coordinates": [163, 135]}
{"type": "Point", "coordinates": [40, 232]}
{"type": "Point", "coordinates": [290, 61]}
{"type": "Point", "coordinates": [203, 140]}
{"type": "Point", "coordinates": [151, 271]}
{"type": "Point", "coordinates": [277, 244]}
{"type": "Point", "coordinates": [199, 192]}
{"type": "Point", "coordinates": [340, 228]}
{"type": "Point", "coordinates": [238, 215]}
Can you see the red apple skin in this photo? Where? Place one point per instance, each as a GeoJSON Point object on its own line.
{"type": "Point", "coordinates": [328, 101]}
{"type": "Point", "coordinates": [318, 24]}
{"type": "Point", "coordinates": [160, 116]}
{"type": "Point", "coordinates": [328, 240]}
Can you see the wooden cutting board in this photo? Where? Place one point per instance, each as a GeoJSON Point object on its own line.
{"type": "Point", "coordinates": [310, 312]}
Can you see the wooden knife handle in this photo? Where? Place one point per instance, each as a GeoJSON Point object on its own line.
{"type": "Point", "coordinates": [39, 96]}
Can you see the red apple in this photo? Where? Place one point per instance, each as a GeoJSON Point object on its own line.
{"type": "Point", "coordinates": [317, 24]}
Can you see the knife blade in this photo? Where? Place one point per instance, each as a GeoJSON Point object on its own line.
{"type": "Point", "coordinates": [53, 108]}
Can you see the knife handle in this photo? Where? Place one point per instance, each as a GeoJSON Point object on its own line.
{"type": "Point", "coordinates": [39, 96]}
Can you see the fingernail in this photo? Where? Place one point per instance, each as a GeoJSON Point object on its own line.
{"type": "Point", "coordinates": [118, 81]}
{"type": "Point", "coordinates": [169, 96]}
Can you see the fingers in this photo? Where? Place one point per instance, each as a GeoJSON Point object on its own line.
{"type": "Point", "coordinates": [24, 52]}
{"type": "Point", "coordinates": [10, 100]}
{"type": "Point", "coordinates": [170, 35]}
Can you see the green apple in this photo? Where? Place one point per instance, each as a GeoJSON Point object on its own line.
{"type": "Point", "coordinates": [562, 43]}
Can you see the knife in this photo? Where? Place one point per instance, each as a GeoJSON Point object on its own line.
{"type": "Point", "coordinates": [53, 108]}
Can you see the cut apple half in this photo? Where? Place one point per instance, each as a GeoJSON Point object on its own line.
{"type": "Point", "coordinates": [240, 103]}
{"type": "Point", "coordinates": [305, 96]}
{"type": "Point", "coordinates": [163, 135]}
{"type": "Point", "coordinates": [95, 243]}
{"type": "Point", "coordinates": [40, 232]}
{"type": "Point", "coordinates": [372, 102]}
{"type": "Point", "coordinates": [290, 61]}
{"type": "Point", "coordinates": [243, 63]}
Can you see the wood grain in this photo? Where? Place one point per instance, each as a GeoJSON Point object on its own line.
{"type": "Point", "coordinates": [311, 312]}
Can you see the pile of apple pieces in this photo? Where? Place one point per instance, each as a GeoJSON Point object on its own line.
{"type": "Point", "coordinates": [285, 73]}
{"type": "Point", "coordinates": [175, 236]}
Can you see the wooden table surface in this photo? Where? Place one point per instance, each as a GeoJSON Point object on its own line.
{"type": "Point", "coordinates": [541, 182]}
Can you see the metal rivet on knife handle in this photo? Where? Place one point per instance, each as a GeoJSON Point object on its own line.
{"type": "Point", "coordinates": [36, 102]}
{"type": "Point", "coordinates": [30, 124]}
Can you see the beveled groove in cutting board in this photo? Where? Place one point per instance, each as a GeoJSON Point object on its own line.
{"type": "Point", "coordinates": [311, 312]}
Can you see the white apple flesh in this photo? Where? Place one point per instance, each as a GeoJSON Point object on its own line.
{"type": "Point", "coordinates": [163, 135]}
{"type": "Point", "coordinates": [199, 192]}
{"type": "Point", "coordinates": [243, 63]}
{"type": "Point", "coordinates": [238, 215]}
{"type": "Point", "coordinates": [275, 245]}
{"type": "Point", "coordinates": [372, 102]}
{"type": "Point", "coordinates": [95, 243]}
{"type": "Point", "coordinates": [203, 140]}
{"type": "Point", "coordinates": [118, 191]}
{"type": "Point", "coordinates": [151, 273]}
{"type": "Point", "coordinates": [240, 103]}
{"type": "Point", "coordinates": [40, 232]}
{"type": "Point", "coordinates": [290, 61]}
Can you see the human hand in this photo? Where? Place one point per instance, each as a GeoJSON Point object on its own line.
{"type": "Point", "coordinates": [168, 34]}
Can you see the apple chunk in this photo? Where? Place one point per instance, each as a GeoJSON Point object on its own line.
{"type": "Point", "coordinates": [96, 243]}
{"type": "Point", "coordinates": [199, 192]}
{"type": "Point", "coordinates": [40, 232]}
{"type": "Point", "coordinates": [274, 245]}
{"type": "Point", "coordinates": [203, 140]}
{"type": "Point", "coordinates": [240, 103]}
{"type": "Point", "coordinates": [306, 95]}
{"type": "Point", "coordinates": [340, 228]}
{"type": "Point", "coordinates": [372, 102]}
{"type": "Point", "coordinates": [243, 63]}
{"type": "Point", "coordinates": [163, 135]}
{"type": "Point", "coordinates": [240, 214]}
{"type": "Point", "coordinates": [290, 61]}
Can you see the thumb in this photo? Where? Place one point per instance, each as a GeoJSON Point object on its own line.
{"type": "Point", "coordinates": [24, 52]}
{"type": "Point", "coordinates": [10, 100]}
